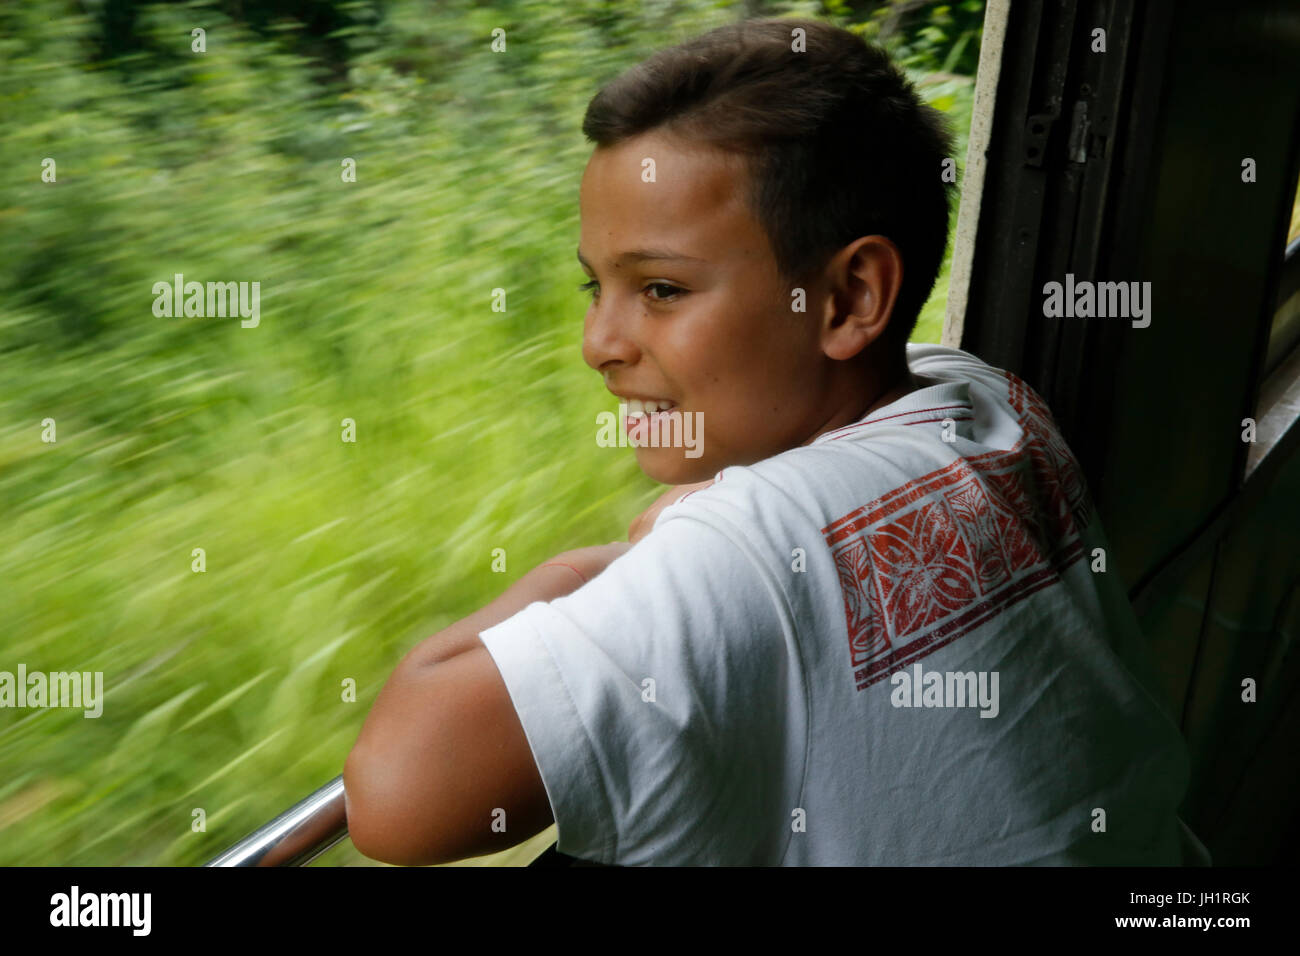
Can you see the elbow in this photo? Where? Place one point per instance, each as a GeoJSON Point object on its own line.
{"type": "Point", "coordinates": [380, 822]}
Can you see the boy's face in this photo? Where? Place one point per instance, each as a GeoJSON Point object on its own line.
{"type": "Point", "coordinates": [705, 322]}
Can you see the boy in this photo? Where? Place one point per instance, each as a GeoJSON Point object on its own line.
{"type": "Point", "coordinates": [864, 627]}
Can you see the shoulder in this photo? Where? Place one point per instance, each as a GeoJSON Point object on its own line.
{"type": "Point", "coordinates": [953, 364]}
{"type": "Point", "coordinates": [1004, 387]}
{"type": "Point", "coordinates": [743, 499]}
{"type": "Point", "coordinates": [931, 355]}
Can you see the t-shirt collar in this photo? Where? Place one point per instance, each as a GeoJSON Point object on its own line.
{"type": "Point", "coordinates": [933, 403]}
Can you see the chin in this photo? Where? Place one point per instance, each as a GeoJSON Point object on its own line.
{"type": "Point", "coordinates": [669, 466]}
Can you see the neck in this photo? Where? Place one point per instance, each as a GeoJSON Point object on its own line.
{"type": "Point", "coordinates": [895, 386]}
{"type": "Point", "coordinates": [903, 383]}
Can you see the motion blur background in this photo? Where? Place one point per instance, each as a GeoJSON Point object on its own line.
{"type": "Point", "coordinates": [475, 429]}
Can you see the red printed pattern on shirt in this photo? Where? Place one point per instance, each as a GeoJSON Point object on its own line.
{"type": "Point", "coordinates": [937, 557]}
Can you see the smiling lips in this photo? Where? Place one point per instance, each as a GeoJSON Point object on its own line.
{"type": "Point", "coordinates": [640, 412]}
{"type": "Point", "coordinates": [638, 408]}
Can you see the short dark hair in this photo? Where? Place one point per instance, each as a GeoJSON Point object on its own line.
{"type": "Point", "coordinates": [839, 144]}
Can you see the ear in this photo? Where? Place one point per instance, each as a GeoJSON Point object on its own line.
{"type": "Point", "coordinates": [864, 278]}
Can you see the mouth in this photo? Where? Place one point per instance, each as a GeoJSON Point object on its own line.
{"type": "Point", "coordinates": [648, 406]}
{"type": "Point", "coordinates": [642, 413]}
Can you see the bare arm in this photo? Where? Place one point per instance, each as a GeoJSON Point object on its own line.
{"type": "Point", "coordinates": [442, 751]}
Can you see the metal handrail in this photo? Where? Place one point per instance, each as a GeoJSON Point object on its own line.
{"type": "Point", "coordinates": [297, 836]}
{"type": "Point", "coordinates": [315, 824]}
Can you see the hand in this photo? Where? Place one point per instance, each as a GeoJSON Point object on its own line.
{"type": "Point", "coordinates": [645, 521]}
{"type": "Point", "coordinates": [589, 562]}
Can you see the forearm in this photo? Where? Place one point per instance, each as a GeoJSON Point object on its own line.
{"type": "Point", "coordinates": [543, 583]}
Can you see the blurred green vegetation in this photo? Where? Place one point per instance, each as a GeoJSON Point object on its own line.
{"type": "Point", "coordinates": [1293, 230]}
{"type": "Point", "coordinates": [325, 560]}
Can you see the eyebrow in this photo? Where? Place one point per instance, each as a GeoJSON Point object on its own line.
{"type": "Point", "coordinates": [641, 255]}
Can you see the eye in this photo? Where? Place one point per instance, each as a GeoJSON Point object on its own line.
{"type": "Point", "coordinates": [673, 291]}
{"type": "Point", "coordinates": [591, 286]}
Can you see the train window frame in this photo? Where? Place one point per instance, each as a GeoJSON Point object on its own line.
{"type": "Point", "coordinates": [1277, 400]}
{"type": "Point", "coordinates": [1277, 405]}
{"type": "Point", "coordinates": [992, 38]}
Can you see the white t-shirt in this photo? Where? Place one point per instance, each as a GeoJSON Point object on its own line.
{"type": "Point", "coordinates": [751, 682]}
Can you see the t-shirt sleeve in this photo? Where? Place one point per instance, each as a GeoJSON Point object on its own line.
{"type": "Point", "coordinates": [660, 701]}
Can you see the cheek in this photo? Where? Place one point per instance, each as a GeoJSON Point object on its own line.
{"type": "Point", "coordinates": [737, 362]}
{"type": "Point", "coordinates": [752, 366]}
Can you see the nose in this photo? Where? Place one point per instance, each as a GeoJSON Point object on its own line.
{"type": "Point", "coordinates": [606, 338]}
